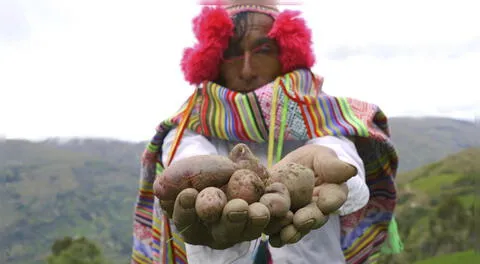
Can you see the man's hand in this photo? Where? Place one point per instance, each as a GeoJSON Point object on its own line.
{"type": "Point", "coordinates": [329, 194]}
{"type": "Point", "coordinates": [238, 222]}
{"type": "Point", "coordinates": [206, 217]}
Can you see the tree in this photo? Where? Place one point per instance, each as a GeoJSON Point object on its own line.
{"type": "Point", "coordinates": [75, 251]}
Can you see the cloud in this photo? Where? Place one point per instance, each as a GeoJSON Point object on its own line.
{"type": "Point", "coordinates": [391, 51]}
{"type": "Point", "coordinates": [109, 68]}
{"type": "Point", "coordinates": [14, 25]}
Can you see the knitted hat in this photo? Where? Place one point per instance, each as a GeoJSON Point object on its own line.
{"type": "Point", "coordinates": [268, 7]}
{"type": "Point", "coordinates": [214, 27]}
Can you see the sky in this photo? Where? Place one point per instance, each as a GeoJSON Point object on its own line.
{"type": "Point", "coordinates": [110, 68]}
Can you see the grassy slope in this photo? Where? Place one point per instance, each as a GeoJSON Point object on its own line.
{"type": "Point", "coordinates": [468, 257]}
{"type": "Point", "coordinates": [86, 186]}
{"type": "Point", "coordinates": [51, 193]}
{"type": "Point", "coordinates": [425, 192]}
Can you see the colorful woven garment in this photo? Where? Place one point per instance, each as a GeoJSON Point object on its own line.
{"type": "Point", "coordinates": [296, 109]}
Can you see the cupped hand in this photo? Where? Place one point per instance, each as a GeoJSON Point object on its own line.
{"type": "Point", "coordinates": [237, 222]}
{"type": "Point", "coordinates": [192, 192]}
{"type": "Point", "coordinates": [329, 194]}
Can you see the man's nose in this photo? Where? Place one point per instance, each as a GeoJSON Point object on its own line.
{"type": "Point", "coordinates": [248, 74]}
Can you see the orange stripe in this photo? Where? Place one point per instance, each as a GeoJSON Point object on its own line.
{"type": "Point", "coordinates": [181, 128]}
{"type": "Point", "coordinates": [180, 251]}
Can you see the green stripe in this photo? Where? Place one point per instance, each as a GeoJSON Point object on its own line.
{"type": "Point", "coordinates": [152, 148]}
{"type": "Point", "coordinates": [252, 119]}
{"type": "Point", "coordinates": [328, 115]}
{"type": "Point", "coordinates": [259, 114]}
{"type": "Point", "coordinates": [159, 169]}
{"type": "Point", "coordinates": [211, 111]}
{"type": "Point", "coordinates": [282, 128]}
{"type": "Point", "coordinates": [352, 118]}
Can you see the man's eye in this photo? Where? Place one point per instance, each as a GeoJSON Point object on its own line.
{"type": "Point", "coordinates": [264, 48]}
{"type": "Point", "coordinates": [233, 54]}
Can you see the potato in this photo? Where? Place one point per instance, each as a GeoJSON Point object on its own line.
{"type": "Point", "coordinates": [210, 203]}
{"type": "Point", "coordinates": [298, 179]}
{"type": "Point", "coordinates": [330, 196]}
{"type": "Point", "coordinates": [196, 172]}
{"type": "Point", "coordinates": [277, 199]}
{"type": "Point", "coordinates": [243, 158]}
{"type": "Point", "coordinates": [245, 184]}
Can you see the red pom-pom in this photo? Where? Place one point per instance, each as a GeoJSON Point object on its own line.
{"type": "Point", "coordinates": [213, 29]}
{"type": "Point", "coordinates": [295, 41]}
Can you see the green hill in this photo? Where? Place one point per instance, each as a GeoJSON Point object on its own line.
{"type": "Point", "coordinates": [48, 192]}
{"type": "Point", "coordinates": [86, 187]}
{"type": "Point", "coordinates": [437, 207]}
{"type": "Point", "coordinates": [468, 257]}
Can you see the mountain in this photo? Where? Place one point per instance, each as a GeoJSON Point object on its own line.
{"type": "Point", "coordinates": [420, 141]}
{"type": "Point", "coordinates": [438, 209]}
{"type": "Point", "coordinates": [86, 187]}
{"type": "Point", "coordinates": [48, 192]}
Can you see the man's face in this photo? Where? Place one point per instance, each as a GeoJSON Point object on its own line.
{"type": "Point", "coordinates": [251, 59]}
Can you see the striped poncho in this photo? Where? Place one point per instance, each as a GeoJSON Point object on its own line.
{"type": "Point", "coordinates": [291, 108]}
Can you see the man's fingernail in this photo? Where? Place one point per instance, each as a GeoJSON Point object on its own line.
{"type": "Point", "coordinates": [237, 216]}
{"type": "Point", "coordinates": [187, 201]}
{"type": "Point", "coordinates": [307, 225]}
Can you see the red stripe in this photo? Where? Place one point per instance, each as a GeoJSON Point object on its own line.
{"type": "Point", "coordinates": [311, 115]}
{"type": "Point", "coordinates": [236, 121]}
{"type": "Point", "coordinates": [203, 116]}
{"type": "Point", "coordinates": [344, 118]}
{"type": "Point", "coordinates": [319, 116]}
{"type": "Point", "coordinates": [140, 213]}
{"type": "Point", "coordinates": [156, 233]}
{"type": "Point", "coordinates": [168, 236]}
{"type": "Point", "coordinates": [179, 251]}
{"type": "Point", "coordinates": [299, 102]}
{"type": "Point", "coordinates": [334, 114]}
{"type": "Point", "coordinates": [341, 113]}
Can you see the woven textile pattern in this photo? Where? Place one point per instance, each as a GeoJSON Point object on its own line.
{"type": "Point", "coordinates": [221, 113]}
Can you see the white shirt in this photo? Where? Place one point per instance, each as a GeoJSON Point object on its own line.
{"type": "Point", "coordinates": [319, 245]}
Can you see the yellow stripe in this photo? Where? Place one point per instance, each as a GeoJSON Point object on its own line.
{"type": "Point", "coordinates": [373, 259]}
{"type": "Point", "coordinates": [222, 113]}
{"type": "Point", "coordinates": [216, 110]}
{"type": "Point", "coordinates": [371, 233]}
{"type": "Point", "coordinates": [323, 121]}
{"type": "Point", "coordinates": [243, 118]}
{"type": "Point", "coordinates": [182, 125]}
{"type": "Point", "coordinates": [140, 258]}
{"type": "Point", "coordinates": [252, 118]}
{"type": "Point", "coordinates": [328, 113]}
{"type": "Point", "coordinates": [271, 138]}
{"type": "Point", "coordinates": [178, 238]}
{"type": "Point", "coordinates": [312, 116]}
{"type": "Point", "coordinates": [180, 244]}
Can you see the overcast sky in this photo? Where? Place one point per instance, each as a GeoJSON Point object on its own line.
{"type": "Point", "coordinates": [110, 68]}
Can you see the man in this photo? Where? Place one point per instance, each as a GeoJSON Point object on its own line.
{"type": "Point", "coordinates": [250, 60]}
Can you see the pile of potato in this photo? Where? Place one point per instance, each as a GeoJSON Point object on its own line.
{"type": "Point", "coordinates": [288, 190]}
